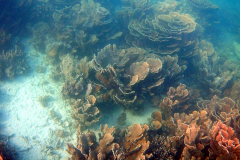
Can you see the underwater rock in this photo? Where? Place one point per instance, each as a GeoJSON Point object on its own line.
{"type": "Point", "coordinates": [39, 39]}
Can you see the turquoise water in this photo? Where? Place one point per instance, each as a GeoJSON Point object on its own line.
{"type": "Point", "coordinates": [119, 79]}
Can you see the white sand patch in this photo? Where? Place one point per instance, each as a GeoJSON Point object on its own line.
{"type": "Point", "coordinates": [29, 124]}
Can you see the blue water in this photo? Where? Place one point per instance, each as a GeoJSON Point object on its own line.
{"type": "Point", "coordinates": [71, 65]}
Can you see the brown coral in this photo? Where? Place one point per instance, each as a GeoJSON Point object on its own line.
{"type": "Point", "coordinates": [178, 95]}
{"type": "Point", "coordinates": [139, 70]}
{"type": "Point", "coordinates": [135, 142]}
{"type": "Point", "coordinates": [218, 108]}
{"type": "Point", "coordinates": [177, 98]}
{"type": "Point", "coordinates": [131, 145]}
{"type": "Point", "coordinates": [123, 71]}
{"type": "Point", "coordinates": [72, 89]}
{"type": "Point", "coordinates": [156, 120]}
{"type": "Point", "coordinates": [86, 113]}
{"type": "Point", "coordinates": [172, 68]}
{"type": "Point", "coordinates": [234, 92]}
{"type": "Point", "coordinates": [130, 74]}
{"type": "Point", "coordinates": [192, 132]}
{"type": "Point", "coordinates": [163, 34]}
{"type": "Point", "coordinates": [76, 154]}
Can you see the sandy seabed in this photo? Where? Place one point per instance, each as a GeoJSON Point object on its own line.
{"type": "Point", "coordinates": [26, 121]}
{"type": "Point", "coordinates": [28, 124]}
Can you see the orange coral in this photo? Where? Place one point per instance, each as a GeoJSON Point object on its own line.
{"type": "Point", "coordinates": [140, 70]}
{"type": "Point", "coordinates": [135, 142]}
{"type": "Point", "coordinates": [177, 98]}
{"type": "Point", "coordinates": [178, 95]}
{"type": "Point", "coordinates": [224, 143]}
{"type": "Point", "coordinates": [156, 120]}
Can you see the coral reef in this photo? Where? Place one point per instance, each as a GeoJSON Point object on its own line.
{"type": "Point", "coordinates": [134, 143]}
{"type": "Point", "coordinates": [13, 19]}
{"type": "Point", "coordinates": [224, 145]}
{"type": "Point", "coordinates": [72, 89]}
{"type": "Point", "coordinates": [85, 112]}
{"type": "Point", "coordinates": [13, 63]}
{"type": "Point", "coordinates": [70, 69]}
{"type": "Point", "coordinates": [156, 119]}
{"type": "Point", "coordinates": [132, 9]}
{"type": "Point", "coordinates": [134, 75]}
{"type": "Point", "coordinates": [211, 75]}
{"type": "Point", "coordinates": [159, 34]}
{"type": "Point", "coordinates": [165, 7]}
{"type": "Point", "coordinates": [203, 4]}
{"type": "Point", "coordinates": [129, 144]}
{"type": "Point", "coordinates": [74, 28]}
{"type": "Point", "coordinates": [195, 132]}
{"type": "Point", "coordinates": [219, 108]}
{"type": "Point", "coordinates": [176, 101]}
{"type": "Point", "coordinates": [160, 46]}
{"type": "Point", "coordinates": [234, 92]}
{"type": "Point", "coordinates": [157, 148]}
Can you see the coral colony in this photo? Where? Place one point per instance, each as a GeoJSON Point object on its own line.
{"type": "Point", "coordinates": [155, 54]}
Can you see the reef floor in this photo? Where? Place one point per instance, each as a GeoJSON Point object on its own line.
{"type": "Point", "coordinates": [26, 104]}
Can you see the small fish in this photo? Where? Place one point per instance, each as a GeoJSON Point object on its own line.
{"type": "Point", "coordinates": [115, 36]}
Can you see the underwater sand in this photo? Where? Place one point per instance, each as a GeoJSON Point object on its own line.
{"type": "Point", "coordinates": [28, 123]}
